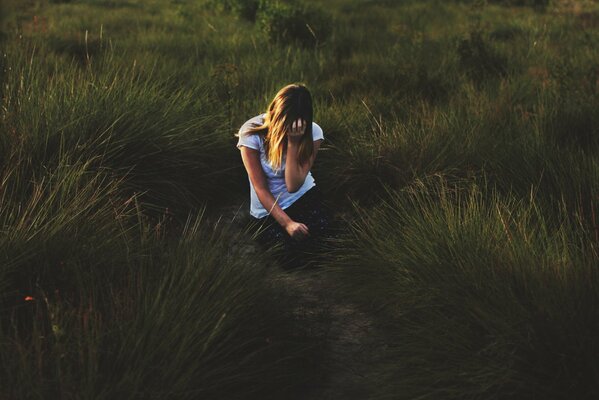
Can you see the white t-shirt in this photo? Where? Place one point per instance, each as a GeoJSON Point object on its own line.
{"type": "Point", "coordinates": [276, 181]}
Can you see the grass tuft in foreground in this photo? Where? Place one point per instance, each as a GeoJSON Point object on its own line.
{"type": "Point", "coordinates": [481, 295]}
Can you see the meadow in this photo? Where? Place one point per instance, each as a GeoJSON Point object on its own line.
{"type": "Point", "coordinates": [460, 156]}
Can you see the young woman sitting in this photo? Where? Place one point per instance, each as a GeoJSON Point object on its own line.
{"type": "Point", "coordinates": [278, 149]}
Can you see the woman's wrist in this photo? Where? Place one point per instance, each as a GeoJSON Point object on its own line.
{"type": "Point", "coordinates": [285, 221]}
{"type": "Point", "coordinates": [293, 140]}
{"type": "Point", "coordinates": [281, 217]}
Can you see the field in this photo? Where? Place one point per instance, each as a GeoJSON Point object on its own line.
{"type": "Point", "coordinates": [461, 158]}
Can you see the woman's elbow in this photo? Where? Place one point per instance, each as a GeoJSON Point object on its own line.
{"type": "Point", "coordinates": [292, 188]}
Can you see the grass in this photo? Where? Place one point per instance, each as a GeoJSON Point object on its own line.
{"type": "Point", "coordinates": [102, 304]}
{"type": "Point", "coordinates": [460, 146]}
{"type": "Point", "coordinates": [127, 123]}
{"type": "Point", "coordinates": [480, 295]}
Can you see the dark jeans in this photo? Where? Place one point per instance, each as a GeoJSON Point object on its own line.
{"type": "Point", "coordinates": [308, 210]}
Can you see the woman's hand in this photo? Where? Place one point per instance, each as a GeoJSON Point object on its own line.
{"type": "Point", "coordinates": [298, 128]}
{"type": "Point", "coordinates": [297, 230]}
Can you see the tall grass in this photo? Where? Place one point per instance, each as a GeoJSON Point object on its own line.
{"type": "Point", "coordinates": [104, 294]}
{"type": "Point", "coordinates": [126, 122]}
{"type": "Point", "coordinates": [207, 321]}
{"type": "Point", "coordinates": [117, 124]}
{"type": "Point", "coordinates": [64, 238]}
{"type": "Point", "coordinates": [481, 295]}
{"type": "Point", "coordinates": [101, 304]}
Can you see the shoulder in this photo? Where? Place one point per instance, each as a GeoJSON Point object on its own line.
{"type": "Point", "coordinates": [251, 123]}
{"type": "Point", "coordinates": [247, 139]}
{"type": "Point", "coordinates": [317, 133]}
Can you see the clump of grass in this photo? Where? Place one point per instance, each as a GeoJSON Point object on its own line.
{"type": "Point", "coordinates": [81, 47]}
{"type": "Point", "coordinates": [170, 145]}
{"type": "Point", "coordinates": [537, 4]}
{"type": "Point", "coordinates": [63, 229]}
{"type": "Point", "coordinates": [375, 153]}
{"type": "Point", "coordinates": [503, 134]}
{"type": "Point", "coordinates": [294, 23]}
{"type": "Point", "coordinates": [225, 330]}
{"type": "Point", "coordinates": [481, 295]}
{"type": "Point", "coordinates": [572, 122]}
{"type": "Point", "coordinates": [506, 33]}
{"type": "Point", "coordinates": [99, 303]}
{"type": "Point", "coordinates": [67, 236]}
{"type": "Point", "coordinates": [285, 22]}
{"type": "Point", "coordinates": [245, 9]}
{"type": "Point", "coordinates": [479, 59]}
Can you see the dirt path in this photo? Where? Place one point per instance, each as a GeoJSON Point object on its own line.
{"type": "Point", "coordinates": [351, 345]}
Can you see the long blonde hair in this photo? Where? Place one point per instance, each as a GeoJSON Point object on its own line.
{"type": "Point", "coordinates": [292, 102]}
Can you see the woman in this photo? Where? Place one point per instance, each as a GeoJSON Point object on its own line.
{"type": "Point", "coordinates": [278, 149]}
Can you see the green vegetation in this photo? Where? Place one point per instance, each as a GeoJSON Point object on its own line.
{"type": "Point", "coordinates": [483, 294]}
{"type": "Point", "coordinates": [282, 21]}
{"type": "Point", "coordinates": [461, 153]}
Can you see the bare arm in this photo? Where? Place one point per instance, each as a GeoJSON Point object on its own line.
{"type": "Point", "coordinates": [295, 173]}
{"type": "Point", "coordinates": [251, 161]}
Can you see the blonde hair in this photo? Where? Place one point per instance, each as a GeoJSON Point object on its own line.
{"type": "Point", "coordinates": [291, 103]}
